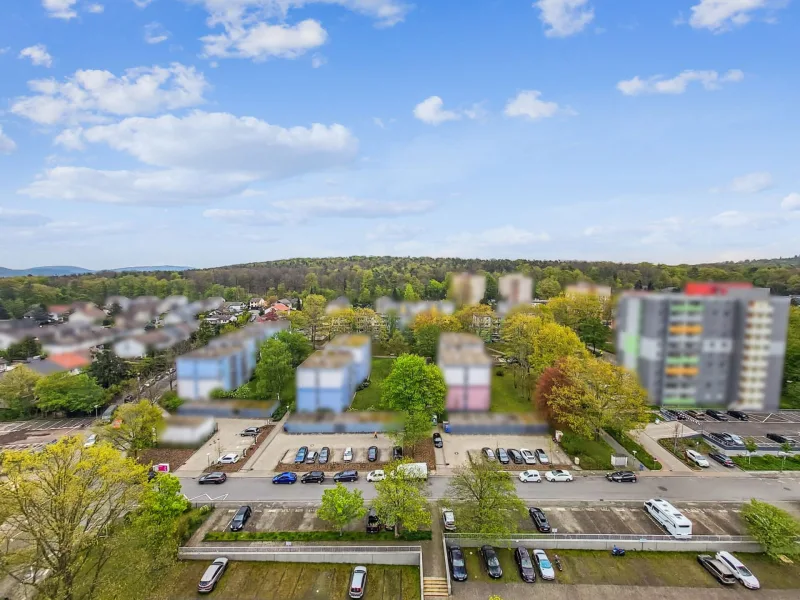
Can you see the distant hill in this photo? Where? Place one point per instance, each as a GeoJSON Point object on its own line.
{"type": "Point", "coordinates": [62, 270]}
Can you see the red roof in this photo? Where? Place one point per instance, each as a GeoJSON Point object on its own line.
{"type": "Point", "coordinates": [695, 288]}
{"type": "Point", "coordinates": [59, 308]}
{"type": "Point", "coordinates": [279, 306]}
{"type": "Point", "coordinates": [71, 360]}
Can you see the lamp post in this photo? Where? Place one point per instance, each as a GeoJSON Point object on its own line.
{"type": "Point", "coordinates": [208, 459]}
{"type": "Point", "coordinates": [95, 411]}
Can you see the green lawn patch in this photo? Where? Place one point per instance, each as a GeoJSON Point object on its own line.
{"type": "Point", "coordinates": [505, 397]}
{"type": "Point", "coordinates": [627, 442]}
{"type": "Point", "coordinates": [370, 398]}
{"type": "Point", "coordinates": [767, 463]}
{"type": "Point", "coordinates": [594, 454]}
{"type": "Point", "coordinates": [313, 536]}
{"type": "Point", "coordinates": [696, 443]}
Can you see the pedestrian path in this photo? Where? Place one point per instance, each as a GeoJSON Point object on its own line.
{"type": "Point", "coordinates": [620, 449]}
{"type": "Point", "coordinates": [647, 439]}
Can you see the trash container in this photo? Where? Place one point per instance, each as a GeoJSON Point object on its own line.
{"type": "Point", "coordinates": [446, 426]}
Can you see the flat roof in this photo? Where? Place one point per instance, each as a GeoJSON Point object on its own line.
{"type": "Point", "coordinates": [213, 351]}
{"type": "Point", "coordinates": [463, 356]}
{"type": "Point", "coordinates": [349, 339]}
{"type": "Point", "coordinates": [328, 359]}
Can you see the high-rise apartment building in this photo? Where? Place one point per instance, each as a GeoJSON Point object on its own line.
{"type": "Point", "coordinates": [713, 345]}
{"type": "Point", "coordinates": [466, 288]}
{"type": "Point", "coordinates": [514, 289]}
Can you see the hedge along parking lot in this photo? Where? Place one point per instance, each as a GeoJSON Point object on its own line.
{"type": "Point", "coordinates": [288, 581]}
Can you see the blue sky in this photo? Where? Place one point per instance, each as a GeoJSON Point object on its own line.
{"type": "Point", "coordinates": [212, 132]}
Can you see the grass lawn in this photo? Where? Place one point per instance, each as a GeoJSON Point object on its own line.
{"type": "Point", "coordinates": [594, 454]}
{"type": "Point", "coordinates": [314, 536]}
{"type": "Point", "coordinates": [505, 397]}
{"type": "Point", "coordinates": [288, 581]}
{"type": "Point", "coordinates": [767, 463]}
{"type": "Point", "coordinates": [695, 443]}
{"type": "Point", "coordinates": [370, 398]}
{"type": "Point", "coordinates": [668, 569]}
{"type": "Point", "coordinates": [630, 445]}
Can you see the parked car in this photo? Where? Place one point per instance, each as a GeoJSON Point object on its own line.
{"type": "Point", "coordinates": [488, 453]}
{"type": "Point", "coordinates": [717, 568]}
{"type": "Point", "coordinates": [697, 416]}
{"type": "Point", "coordinates": [240, 518]}
{"type": "Point", "coordinates": [542, 457]}
{"type": "Point", "coordinates": [348, 454]}
{"type": "Point", "coordinates": [543, 563]}
{"type": "Point", "coordinates": [373, 522]}
{"type": "Point", "coordinates": [777, 437]}
{"type": "Point", "coordinates": [681, 415]}
{"type": "Point", "coordinates": [502, 456]}
{"type": "Point", "coordinates": [528, 456]}
{"type": "Point", "coordinates": [215, 477]}
{"type": "Point", "coordinates": [558, 475]}
{"type": "Point", "coordinates": [734, 438]}
{"type": "Point", "coordinates": [397, 452]}
{"type": "Point", "coordinates": [228, 459]}
{"type": "Point", "coordinates": [669, 414]}
{"type": "Point", "coordinates": [448, 519]}
{"type": "Point", "coordinates": [491, 562]}
{"type": "Point", "coordinates": [346, 476]}
{"type": "Point", "coordinates": [323, 455]}
{"type": "Point", "coordinates": [251, 431]}
{"type": "Point", "coordinates": [300, 457]}
{"type": "Point", "coordinates": [358, 582]}
{"type": "Point", "coordinates": [437, 440]}
{"type": "Point", "coordinates": [524, 564]}
{"type": "Point", "coordinates": [696, 458]}
{"type": "Point", "coordinates": [724, 438]}
{"type": "Point", "coordinates": [722, 459]}
{"type": "Point", "coordinates": [212, 576]}
{"type": "Point", "coordinates": [90, 441]}
{"type": "Point", "coordinates": [739, 571]}
{"type": "Point", "coordinates": [738, 414]}
{"type": "Point", "coordinates": [372, 454]}
{"type": "Point", "coordinates": [622, 476]}
{"type": "Point", "coordinates": [516, 457]}
{"type": "Point", "coordinates": [285, 477]}
{"type": "Point", "coordinates": [539, 519]}
{"type": "Point", "coordinates": [717, 414]}
{"type": "Point", "coordinates": [458, 568]}
{"type": "Point", "coordinates": [311, 458]}
{"type": "Point", "coordinates": [313, 477]}
{"type": "Point", "coordinates": [530, 476]}
{"type": "Point", "coordinates": [378, 475]}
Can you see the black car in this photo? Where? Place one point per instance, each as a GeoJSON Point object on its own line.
{"type": "Point", "coordinates": [215, 477]}
{"type": "Point", "coordinates": [372, 454]}
{"type": "Point", "coordinates": [397, 453]}
{"type": "Point", "coordinates": [524, 564]}
{"type": "Point", "coordinates": [622, 476]}
{"type": "Point", "coordinates": [491, 561]}
{"type": "Point", "coordinates": [346, 476]}
{"type": "Point", "coordinates": [777, 437]}
{"type": "Point", "coordinates": [539, 519]}
{"type": "Point", "coordinates": [458, 568]}
{"type": "Point", "coordinates": [724, 438]}
{"type": "Point", "coordinates": [323, 455]}
{"type": "Point", "coordinates": [240, 518]}
{"type": "Point", "coordinates": [373, 522]}
{"type": "Point", "coordinates": [437, 440]}
{"type": "Point", "coordinates": [151, 475]}
{"type": "Point", "coordinates": [722, 459]}
{"type": "Point", "coordinates": [680, 415]}
{"type": "Point", "coordinates": [516, 456]}
{"type": "Point", "coordinates": [717, 414]}
{"type": "Point", "coordinates": [502, 456]}
{"type": "Point", "coordinates": [313, 477]}
{"type": "Point", "coordinates": [300, 457]}
{"type": "Point", "coordinates": [737, 414]}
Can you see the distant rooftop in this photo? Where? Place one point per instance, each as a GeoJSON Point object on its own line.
{"type": "Point", "coordinates": [350, 339]}
{"type": "Point", "coordinates": [213, 352]}
{"type": "Point", "coordinates": [328, 359]}
{"type": "Point", "coordinates": [463, 356]}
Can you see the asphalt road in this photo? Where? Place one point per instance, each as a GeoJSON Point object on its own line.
{"type": "Point", "coordinates": [680, 489]}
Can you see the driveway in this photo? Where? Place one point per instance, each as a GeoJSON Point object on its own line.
{"type": "Point", "coordinates": [227, 439]}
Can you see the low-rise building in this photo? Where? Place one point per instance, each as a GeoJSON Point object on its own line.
{"type": "Point", "coordinates": [326, 381]}
{"type": "Point", "coordinates": [360, 348]}
{"type": "Point", "coordinates": [467, 370]}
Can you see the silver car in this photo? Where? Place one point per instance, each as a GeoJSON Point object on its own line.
{"type": "Point", "coordinates": [358, 582]}
{"type": "Point", "coordinates": [212, 576]}
{"type": "Point", "coordinates": [543, 563]}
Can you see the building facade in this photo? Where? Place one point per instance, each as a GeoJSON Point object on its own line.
{"type": "Point", "coordinates": [713, 345]}
{"type": "Point", "coordinates": [467, 371]}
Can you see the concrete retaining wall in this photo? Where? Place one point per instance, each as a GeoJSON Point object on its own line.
{"type": "Point", "coordinates": [650, 545]}
{"type": "Point", "coordinates": [341, 556]}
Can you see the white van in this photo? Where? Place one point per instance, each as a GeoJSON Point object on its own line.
{"type": "Point", "coordinates": [670, 518]}
{"type": "Point", "coordinates": [696, 458]}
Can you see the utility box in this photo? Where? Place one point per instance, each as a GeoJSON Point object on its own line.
{"type": "Point", "coordinates": [619, 460]}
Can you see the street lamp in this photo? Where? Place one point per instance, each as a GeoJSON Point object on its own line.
{"type": "Point", "coordinates": [95, 411]}
{"type": "Point", "coordinates": [208, 459]}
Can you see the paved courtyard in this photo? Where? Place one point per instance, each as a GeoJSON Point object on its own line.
{"type": "Point", "coordinates": [227, 439]}
{"type": "Point", "coordinates": [456, 447]}
{"type": "Point", "coordinates": [279, 455]}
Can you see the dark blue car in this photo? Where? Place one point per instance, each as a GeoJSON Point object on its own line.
{"type": "Point", "coordinates": [285, 478]}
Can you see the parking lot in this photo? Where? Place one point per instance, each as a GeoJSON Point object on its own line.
{"type": "Point", "coordinates": [227, 439]}
{"type": "Point", "coordinates": [45, 425]}
{"type": "Point", "coordinates": [457, 448]}
{"type": "Point", "coordinates": [786, 423]}
{"type": "Point", "coordinates": [35, 434]}
{"type": "Point", "coordinates": [279, 456]}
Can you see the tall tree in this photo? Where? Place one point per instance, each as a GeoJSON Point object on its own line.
{"type": "Point", "coordinates": [135, 428]}
{"type": "Point", "coordinates": [427, 327]}
{"type": "Point", "coordinates": [593, 332]}
{"type": "Point", "coordinates": [297, 344]}
{"type": "Point", "coordinates": [340, 506]}
{"type": "Point", "coordinates": [274, 368]}
{"type": "Point", "coordinates": [205, 333]}
{"type": "Point", "coordinates": [17, 391]}
{"type": "Point", "coordinates": [573, 309]}
{"type": "Point", "coordinates": [70, 393]}
{"type": "Point", "coordinates": [400, 500]}
{"type": "Point", "coordinates": [108, 369]}
{"type": "Point", "coordinates": [314, 311]}
{"type": "Point", "coordinates": [397, 344]}
{"type": "Point", "coordinates": [548, 288]}
{"type": "Point", "coordinates": [775, 529]}
{"type": "Point", "coordinates": [486, 499]}
{"type": "Point", "coordinates": [549, 343]}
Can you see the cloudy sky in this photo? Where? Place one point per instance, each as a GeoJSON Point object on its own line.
{"type": "Point", "coordinates": [211, 132]}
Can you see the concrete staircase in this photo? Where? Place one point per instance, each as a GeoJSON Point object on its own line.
{"type": "Point", "coordinates": [434, 587]}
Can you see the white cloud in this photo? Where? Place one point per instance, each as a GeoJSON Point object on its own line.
{"type": "Point", "coordinates": [154, 33]}
{"type": "Point", "coordinates": [95, 8]}
{"type": "Point", "coordinates": [71, 139]}
{"type": "Point", "coordinates": [38, 55]}
{"type": "Point", "coordinates": [500, 236]}
{"type": "Point", "coordinates": [4, 49]}
{"type": "Point", "coordinates": [791, 202]}
{"type": "Point", "coordinates": [710, 80]}
{"type": "Point", "coordinates": [731, 219]}
{"type": "Point", "coordinates": [263, 41]}
{"type": "Point", "coordinates": [430, 111]}
{"type": "Point", "coordinates": [723, 15]}
{"type": "Point", "coordinates": [60, 9]}
{"type": "Point", "coordinates": [527, 104]}
{"type": "Point", "coordinates": [394, 232]}
{"type": "Point", "coordinates": [563, 18]}
{"type": "Point", "coordinates": [143, 3]}
{"type": "Point", "coordinates": [317, 61]}
{"type": "Point", "coordinates": [7, 145]}
{"type": "Point", "coordinates": [751, 183]}
{"type": "Point", "coordinates": [95, 95]}
{"type": "Point", "coordinates": [379, 122]}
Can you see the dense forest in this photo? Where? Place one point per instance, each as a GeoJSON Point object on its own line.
{"type": "Point", "coordinates": [362, 279]}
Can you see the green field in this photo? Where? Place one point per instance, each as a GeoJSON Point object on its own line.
{"type": "Point", "coordinates": [767, 463]}
{"type": "Point", "coordinates": [505, 397]}
{"type": "Point", "coordinates": [594, 454]}
{"type": "Point", "coordinates": [370, 398]}
{"type": "Point", "coordinates": [695, 443]}
{"type": "Point", "coordinates": [288, 581]}
{"type": "Point", "coordinates": [663, 569]}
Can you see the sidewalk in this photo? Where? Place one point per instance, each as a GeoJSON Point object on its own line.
{"type": "Point", "coordinates": [620, 449]}
{"type": "Point", "coordinates": [647, 439]}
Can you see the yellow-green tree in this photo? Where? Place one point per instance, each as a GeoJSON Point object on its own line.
{"type": "Point", "coordinates": [17, 391]}
{"type": "Point", "coordinates": [134, 429]}
{"type": "Point", "coordinates": [465, 314]}
{"type": "Point", "coordinates": [551, 342]}
{"type": "Point", "coordinates": [427, 327]}
{"type": "Point", "coordinates": [314, 312]}
{"type": "Point", "coordinates": [573, 309]}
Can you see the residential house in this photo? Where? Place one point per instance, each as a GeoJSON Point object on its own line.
{"type": "Point", "coordinates": [59, 312]}
{"type": "Point", "coordinates": [467, 370]}
{"type": "Point", "coordinates": [466, 288]}
{"type": "Point", "coordinates": [213, 303]}
{"type": "Point", "coordinates": [75, 340]}
{"type": "Point", "coordinates": [138, 346]}
{"type": "Point", "coordinates": [72, 361]}
{"type": "Point", "coordinates": [122, 301]}
{"type": "Point", "coordinates": [326, 380]}
{"type": "Point", "coordinates": [3, 364]}
{"type": "Point", "coordinates": [257, 303]}
{"type": "Point", "coordinates": [290, 302]}
{"type": "Point", "coordinates": [514, 289]}
{"type": "Point", "coordinates": [406, 311]}
{"type": "Point", "coordinates": [172, 303]}
{"type": "Point", "coordinates": [9, 337]}
{"type": "Point", "coordinates": [44, 367]}
{"type": "Point", "coordinates": [86, 313]}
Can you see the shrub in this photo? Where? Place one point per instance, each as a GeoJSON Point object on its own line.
{"type": "Point", "coordinates": [189, 522]}
{"type": "Point", "coordinates": [171, 401]}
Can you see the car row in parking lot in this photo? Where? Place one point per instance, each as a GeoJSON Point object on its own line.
{"type": "Point", "coordinates": [324, 455]}
{"type": "Point", "coordinates": [287, 477]}
{"type": "Point", "coordinates": [527, 567]}
{"type": "Point", "coordinates": [523, 456]}
{"type": "Point", "coordinates": [704, 415]}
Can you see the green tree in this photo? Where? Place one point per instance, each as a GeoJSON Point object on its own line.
{"type": "Point", "coordinates": [409, 294]}
{"type": "Point", "coordinates": [397, 344]}
{"type": "Point", "coordinates": [551, 342]}
{"type": "Point", "coordinates": [593, 332]}
{"type": "Point", "coordinates": [340, 506]}
{"type": "Point", "coordinates": [135, 429]}
{"type": "Point", "coordinates": [108, 369]}
{"type": "Point", "coordinates": [775, 529]}
{"type": "Point", "coordinates": [205, 333]}
{"type": "Point", "coordinates": [297, 344]}
{"type": "Point", "coordinates": [274, 368]}
{"type": "Point", "coordinates": [59, 506]}
{"type": "Point", "coordinates": [427, 328]}
{"type": "Point", "coordinates": [548, 288]}
{"type": "Point", "coordinates": [486, 499]}
{"type": "Point", "coordinates": [66, 392]}
{"type": "Point", "coordinates": [751, 446]}
{"type": "Point", "coordinates": [400, 500]}
{"type": "Point", "coordinates": [314, 312]}
{"type": "Point", "coordinates": [170, 401]}
{"type": "Point", "coordinates": [164, 502]}
{"type": "Point", "coordinates": [24, 349]}
{"type": "Point", "coordinates": [17, 390]}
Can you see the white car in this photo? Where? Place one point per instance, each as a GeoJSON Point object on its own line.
{"type": "Point", "coordinates": [558, 475]}
{"type": "Point", "coordinates": [545, 568]}
{"type": "Point", "coordinates": [448, 519]}
{"type": "Point", "coordinates": [90, 441]}
{"type": "Point", "coordinates": [228, 459]}
{"type": "Point", "coordinates": [530, 475]}
{"type": "Point", "coordinates": [348, 454]}
{"type": "Point", "coordinates": [739, 571]}
{"type": "Point", "coordinates": [696, 458]}
{"type": "Point", "coordinates": [378, 475]}
{"type": "Point", "coordinates": [528, 456]}
{"type": "Point", "coordinates": [542, 457]}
